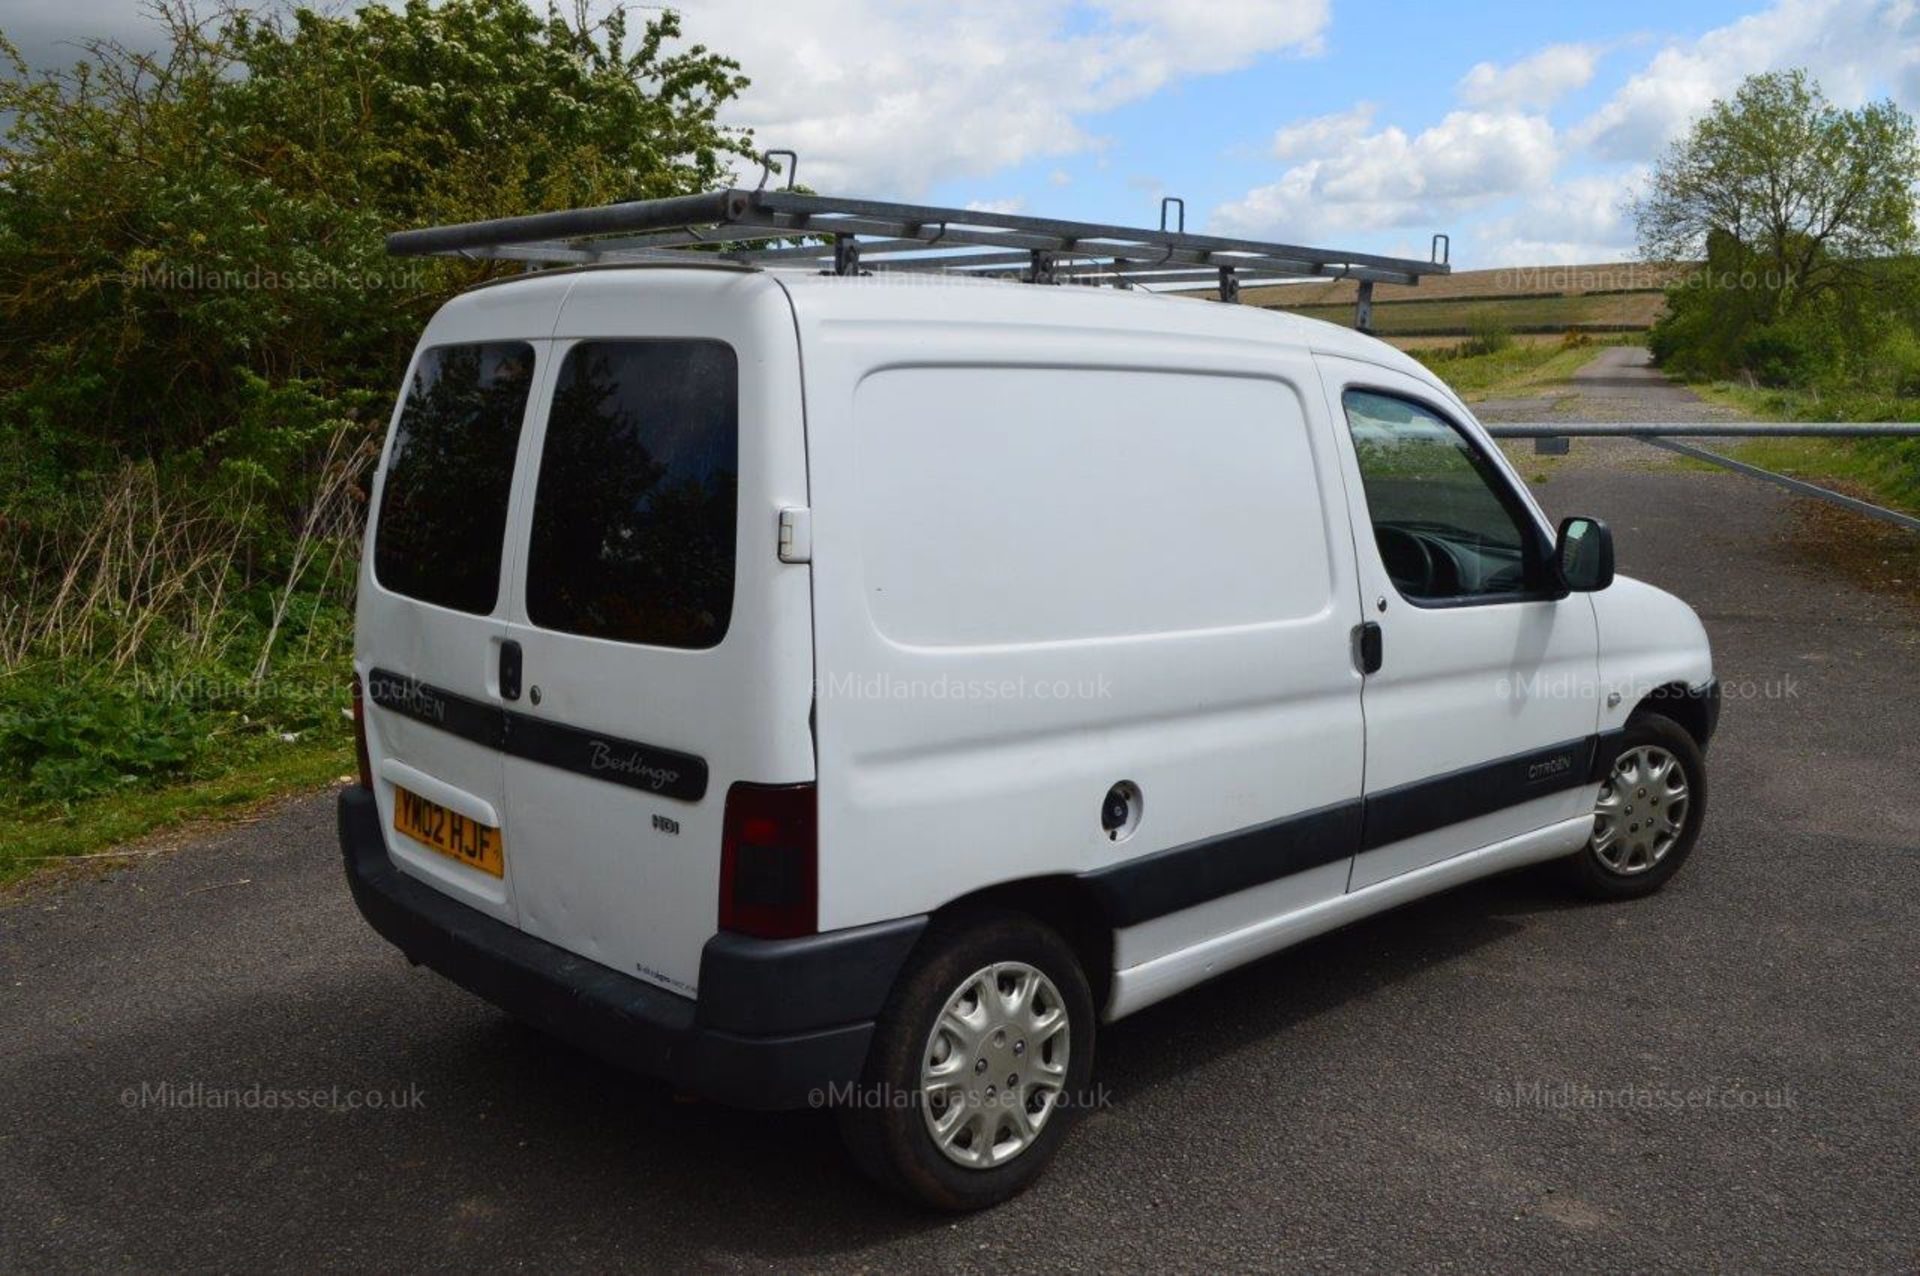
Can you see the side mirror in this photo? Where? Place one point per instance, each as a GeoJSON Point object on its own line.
{"type": "Point", "coordinates": [1584, 554]}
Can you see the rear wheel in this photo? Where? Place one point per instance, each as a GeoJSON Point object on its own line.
{"type": "Point", "coordinates": [1648, 812]}
{"type": "Point", "coordinates": [976, 1062]}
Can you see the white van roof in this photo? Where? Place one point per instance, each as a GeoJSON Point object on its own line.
{"type": "Point", "coordinates": [887, 295]}
{"type": "Point", "coordinates": [900, 297]}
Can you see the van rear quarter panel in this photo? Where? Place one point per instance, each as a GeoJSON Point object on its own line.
{"type": "Point", "coordinates": [1062, 541]}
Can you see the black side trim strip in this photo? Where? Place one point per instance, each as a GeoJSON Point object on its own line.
{"type": "Point", "coordinates": [1606, 747]}
{"type": "Point", "coordinates": [647, 767]}
{"type": "Point", "coordinates": [1139, 890]}
{"type": "Point", "coordinates": [1408, 810]}
{"type": "Point", "coordinates": [475, 720]}
{"type": "Point", "coordinates": [667, 772]}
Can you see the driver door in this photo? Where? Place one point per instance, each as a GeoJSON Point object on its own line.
{"type": "Point", "coordinates": [1480, 715]}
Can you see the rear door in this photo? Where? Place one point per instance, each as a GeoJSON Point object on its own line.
{"type": "Point", "coordinates": [665, 650]}
{"type": "Point", "coordinates": [432, 608]}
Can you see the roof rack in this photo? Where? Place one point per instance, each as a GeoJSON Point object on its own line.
{"type": "Point", "coordinates": [843, 236]}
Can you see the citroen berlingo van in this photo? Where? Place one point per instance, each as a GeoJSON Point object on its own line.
{"type": "Point", "coordinates": [840, 690]}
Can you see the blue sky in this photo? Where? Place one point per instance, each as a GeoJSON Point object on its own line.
{"type": "Point", "coordinates": [1201, 138]}
{"type": "Point", "coordinates": [1521, 129]}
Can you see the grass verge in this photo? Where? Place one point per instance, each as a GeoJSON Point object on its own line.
{"type": "Point", "coordinates": [1874, 471]}
{"type": "Point", "coordinates": [1873, 554]}
{"type": "Point", "coordinates": [35, 836]}
{"type": "Point", "coordinates": [1511, 372]}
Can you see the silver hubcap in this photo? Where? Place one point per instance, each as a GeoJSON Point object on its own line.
{"type": "Point", "coordinates": [995, 1065]}
{"type": "Point", "coordinates": [1641, 812]}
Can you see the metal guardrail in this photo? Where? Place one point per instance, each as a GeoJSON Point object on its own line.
{"type": "Point", "coordinates": [1554, 438]}
{"type": "Point", "coordinates": [1701, 429]}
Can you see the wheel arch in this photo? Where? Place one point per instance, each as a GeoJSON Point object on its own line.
{"type": "Point", "coordinates": [1066, 904]}
{"type": "Point", "coordinates": [1697, 710]}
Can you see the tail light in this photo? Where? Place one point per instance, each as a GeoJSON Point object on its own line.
{"type": "Point", "coordinates": [769, 861]}
{"type": "Point", "coordinates": [360, 735]}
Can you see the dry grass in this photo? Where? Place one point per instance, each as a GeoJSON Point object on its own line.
{"type": "Point", "coordinates": [331, 525]}
{"type": "Point", "coordinates": [145, 561]}
{"type": "Point", "coordinates": [1553, 339]}
{"type": "Point", "coordinates": [99, 587]}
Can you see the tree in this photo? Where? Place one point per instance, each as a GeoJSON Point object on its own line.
{"type": "Point", "coordinates": [195, 299]}
{"type": "Point", "coordinates": [1785, 187]}
{"type": "Point", "coordinates": [183, 232]}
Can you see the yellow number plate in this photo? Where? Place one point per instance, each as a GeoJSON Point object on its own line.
{"type": "Point", "coordinates": [452, 834]}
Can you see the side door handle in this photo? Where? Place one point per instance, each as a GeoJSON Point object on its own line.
{"type": "Point", "coordinates": [1368, 646]}
{"type": "Point", "coordinates": [509, 670]}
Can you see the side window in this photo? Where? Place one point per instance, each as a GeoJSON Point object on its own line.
{"type": "Point", "coordinates": [1448, 526]}
{"type": "Point", "coordinates": [634, 513]}
{"type": "Point", "coordinates": [443, 509]}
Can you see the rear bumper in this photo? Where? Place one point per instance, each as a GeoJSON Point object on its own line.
{"type": "Point", "coordinates": [780, 1023]}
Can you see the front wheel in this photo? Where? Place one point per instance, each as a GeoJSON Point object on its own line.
{"type": "Point", "coordinates": [1648, 813]}
{"type": "Point", "coordinates": [976, 1063]}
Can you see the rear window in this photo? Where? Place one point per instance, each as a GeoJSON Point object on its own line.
{"type": "Point", "coordinates": [633, 518]}
{"type": "Point", "coordinates": [443, 511]}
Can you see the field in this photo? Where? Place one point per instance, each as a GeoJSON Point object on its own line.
{"type": "Point", "coordinates": [1623, 297]}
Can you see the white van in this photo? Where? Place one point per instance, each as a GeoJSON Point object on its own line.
{"type": "Point", "coordinates": [811, 689]}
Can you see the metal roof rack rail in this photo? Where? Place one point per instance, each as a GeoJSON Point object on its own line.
{"type": "Point", "coordinates": [787, 227]}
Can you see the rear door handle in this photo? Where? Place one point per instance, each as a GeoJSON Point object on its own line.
{"type": "Point", "coordinates": [509, 670]}
{"type": "Point", "coordinates": [1368, 646]}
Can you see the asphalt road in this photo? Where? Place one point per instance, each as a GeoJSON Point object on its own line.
{"type": "Point", "coordinates": [1722, 1077]}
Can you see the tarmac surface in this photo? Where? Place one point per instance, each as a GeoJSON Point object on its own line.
{"type": "Point", "coordinates": [1721, 1077]}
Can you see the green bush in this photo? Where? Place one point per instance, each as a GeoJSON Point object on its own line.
{"type": "Point", "coordinates": [61, 741]}
{"type": "Point", "coordinates": [1897, 361]}
{"type": "Point", "coordinates": [1779, 354]}
{"type": "Point", "coordinates": [1489, 336]}
{"type": "Point", "coordinates": [200, 337]}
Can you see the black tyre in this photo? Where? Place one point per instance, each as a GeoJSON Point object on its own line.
{"type": "Point", "coordinates": [977, 1065]}
{"type": "Point", "coordinates": [1648, 814]}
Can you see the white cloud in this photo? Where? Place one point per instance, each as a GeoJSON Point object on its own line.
{"type": "Point", "coordinates": [1007, 206]}
{"type": "Point", "coordinates": [1324, 132]}
{"type": "Point", "coordinates": [1348, 179]}
{"type": "Point", "coordinates": [1491, 171]}
{"type": "Point", "coordinates": [1581, 219]}
{"type": "Point", "coordinates": [1537, 81]}
{"type": "Point", "coordinates": [1852, 47]}
{"type": "Point", "coordinates": [886, 98]}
